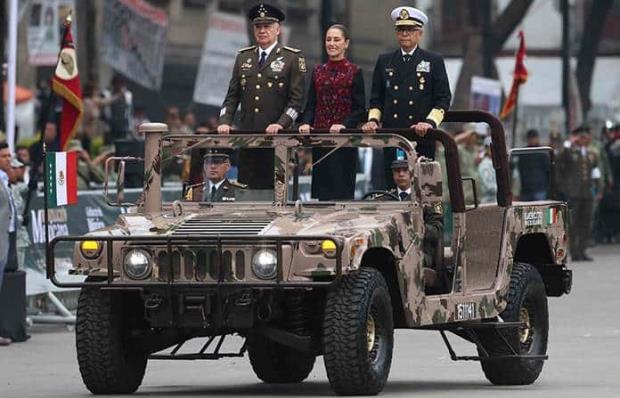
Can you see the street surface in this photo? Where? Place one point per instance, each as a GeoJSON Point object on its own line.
{"type": "Point", "coordinates": [584, 346]}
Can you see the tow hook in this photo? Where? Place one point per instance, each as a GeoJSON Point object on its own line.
{"type": "Point", "coordinates": [153, 302]}
{"type": "Point", "coordinates": [244, 300]}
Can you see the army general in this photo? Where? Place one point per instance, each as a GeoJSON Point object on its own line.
{"type": "Point", "coordinates": [410, 86]}
{"type": "Point", "coordinates": [268, 82]}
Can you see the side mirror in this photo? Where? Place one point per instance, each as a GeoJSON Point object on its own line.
{"type": "Point", "coordinates": [120, 180]}
{"type": "Point", "coordinates": [472, 206]}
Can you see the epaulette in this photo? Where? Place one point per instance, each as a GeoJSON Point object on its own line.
{"type": "Point", "coordinates": [238, 184]}
{"type": "Point", "coordinates": [247, 49]}
{"type": "Point", "coordinates": [291, 49]}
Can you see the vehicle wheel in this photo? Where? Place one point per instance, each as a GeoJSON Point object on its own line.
{"type": "Point", "coordinates": [527, 303]}
{"type": "Point", "coordinates": [106, 361]}
{"type": "Point", "coordinates": [278, 364]}
{"type": "Point", "coordinates": [358, 334]}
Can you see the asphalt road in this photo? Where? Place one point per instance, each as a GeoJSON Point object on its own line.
{"type": "Point", "coordinates": [584, 346]}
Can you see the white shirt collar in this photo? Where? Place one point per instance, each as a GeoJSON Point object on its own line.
{"type": "Point", "coordinates": [408, 191]}
{"type": "Point", "coordinates": [217, 185]}
{"type": "Point", "coordinates": [268, 50]}
{"type": "Point", "coordinates": [403, 52]}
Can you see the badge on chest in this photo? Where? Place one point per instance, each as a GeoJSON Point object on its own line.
{"type": "Point", "coordinates": [277, 66]}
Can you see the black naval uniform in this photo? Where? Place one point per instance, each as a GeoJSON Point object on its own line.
{"type": "Point", "coordinates": [271, 93]}
{"type": "Point", "coordinates": [408, 92]}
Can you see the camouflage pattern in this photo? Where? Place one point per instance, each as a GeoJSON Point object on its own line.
{"type": "Point", "coordinates": [392, 227]}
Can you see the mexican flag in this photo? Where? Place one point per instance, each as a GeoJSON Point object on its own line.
{"type": "Point", "coordinates": [551, 216]}
{"type": "Point", "coordinates": [66, 84]}
{"type": "Point", "coordinates": [61, 175]}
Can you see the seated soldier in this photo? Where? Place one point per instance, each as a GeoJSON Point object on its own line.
{"type": "Point", "coordinates": [433, 228]}
{"type": "Point", "coordinates": [216, 187]}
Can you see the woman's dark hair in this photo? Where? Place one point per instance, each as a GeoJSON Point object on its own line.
{"type": "Point", "coordinates": [342, 28]}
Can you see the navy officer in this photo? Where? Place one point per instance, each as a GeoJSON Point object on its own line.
{"type": "Point", "coordinates": [410, 88]}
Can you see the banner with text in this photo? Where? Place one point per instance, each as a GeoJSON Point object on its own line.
{"type": "Point", "coordinates": [45, 27]}
{"type": "Point", "coordinates": [134, 40]}
{"type": "Point", "coordinates": [226, 34]}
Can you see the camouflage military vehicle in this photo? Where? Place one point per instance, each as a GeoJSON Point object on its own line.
{"type": "Point", "coordinates": [300, 278]}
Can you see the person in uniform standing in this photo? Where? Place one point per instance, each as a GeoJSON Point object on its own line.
{"type": "Point", "coordinates": [268, 82]}
{"type": "Point", "coordinates": [336, 100]}
{"type": "Point", "coordinates": [410, 88]}
{"type": "Point", "coordinates": [577, 165]}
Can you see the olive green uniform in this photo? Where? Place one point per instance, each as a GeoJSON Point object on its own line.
{"type": "Point", "coordinates": [268, 94]}
{"type": "Point", "coordinates": [574, 166]}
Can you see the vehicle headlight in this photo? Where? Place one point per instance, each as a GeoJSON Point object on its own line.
{"type": "Point", "coordinates": [137, 264]}
{"type": "Point", "coordinates": [264, 264]}
{"type": "Point", "coordinates": [91, 249]}
{"type": "Point", "coordinates": [328, 247]}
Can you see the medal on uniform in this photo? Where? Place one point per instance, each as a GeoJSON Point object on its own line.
{"type": "Point", "coordinates": [247, 64]}
{"type": "Point", "coordinates": [302, 65]}
{"type": "Point", "coordinates": [278, 65]}
{"type": "Point", "coordinates": [423, 66]}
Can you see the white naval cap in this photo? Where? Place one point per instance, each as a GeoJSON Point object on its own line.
{"type": "Point", "coordinates": [409, 16]}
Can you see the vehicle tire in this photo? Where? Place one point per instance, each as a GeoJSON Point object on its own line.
{"type": "Point", "coordinates": [107, 363]}
{"type": "Point", "coordinates": [358, 334]}
{"type": "Point", "coordinates": [527, 303]}
{"type": "Point", "coordinates": [278, 364]}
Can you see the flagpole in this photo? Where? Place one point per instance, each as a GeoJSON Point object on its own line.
{"type": "Point", "coordinates": [48, 266]}
{"type": "Point", "coordinates": [515, 119]}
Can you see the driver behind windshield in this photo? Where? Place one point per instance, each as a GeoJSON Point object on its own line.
{"type": "Point", "coordinates": [433, 226]}
{"type": "Point", "coordinates": [216, 187]}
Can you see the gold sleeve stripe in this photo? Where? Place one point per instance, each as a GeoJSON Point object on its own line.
{"type": "Point", "coordinates": [436, 116]}
{"type": "Point", "coordinates": [374, 113]}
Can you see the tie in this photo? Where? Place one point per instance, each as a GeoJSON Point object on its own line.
{"type": "Point", "coordinates": [213, 190]}
{"type": "Point", "coordinates": [263, 57]}
{"type": "Point", "coordinates": [403, 195]}
{"type": "Point", "coordinates": [406, 58]}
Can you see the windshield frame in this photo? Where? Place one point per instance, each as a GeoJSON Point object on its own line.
{"type": "Point", "coordinates": [283, 145]}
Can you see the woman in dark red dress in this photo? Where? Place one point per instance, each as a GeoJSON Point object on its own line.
{"type": "Point", "coordinates": [336, 100]}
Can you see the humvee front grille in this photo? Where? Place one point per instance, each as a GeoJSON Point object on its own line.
{"type": "Point", "coordinates": [222, 227]}
{"type": "Point", "coordinates": [201, 264]}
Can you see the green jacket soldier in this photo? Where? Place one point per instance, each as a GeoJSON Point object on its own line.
{"type": "Point", "coordinates": [216, 187]}
{"type": "Point", "coordinates": [410, 86]}
{"type": "Point", "coordinates": [268, 83]}
{"type": "Point", "coordinates": [576, 165]}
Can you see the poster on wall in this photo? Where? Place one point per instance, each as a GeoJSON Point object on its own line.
{"type": "Point", "coordinates": [486, 95]}
{"type": "Point", "coordinates": [45, 26]}
{"type": "Point", "coordinates": [134, 40]}
{"type": "Point", "coordinates": [226, 34]}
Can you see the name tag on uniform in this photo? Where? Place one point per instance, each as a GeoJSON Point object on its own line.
{"type": "Point", "coordinates": [423, 66]}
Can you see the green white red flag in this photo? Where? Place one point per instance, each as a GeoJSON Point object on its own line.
{"type": "Point", "coordinates": [61, 175]}
{"type": "Point", "coordinates": [66, 84]}
{"type": "Point", "coordinates": [519, 77]}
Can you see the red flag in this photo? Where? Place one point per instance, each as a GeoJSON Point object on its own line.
{"type": "Point", "coordinates": [66, 84]}
{"type": "Point", "coordinates": [519, 77]}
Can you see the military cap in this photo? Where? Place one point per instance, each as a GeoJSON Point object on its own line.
{"type": "Point", "coordinates": [582, 130]}
{"type": "Point", "coordinates": [216, 154]}
{"type": "Point", "coordinates": [265, 13]}
{"type": "Point", "coordinates": [401, 160]}
{"type": "Point", "coordinates": [409, 16]}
